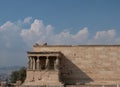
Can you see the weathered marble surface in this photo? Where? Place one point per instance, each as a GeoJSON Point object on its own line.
{"type": "Point", "coordinates": [89, 64]}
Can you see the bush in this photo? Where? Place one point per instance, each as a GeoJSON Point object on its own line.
{"type": "Point", "coordinates": [18, 75]}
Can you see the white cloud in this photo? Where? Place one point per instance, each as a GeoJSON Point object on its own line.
{"type": "Point", "coordinates": [11, 44]}
{"type": "Point", "coordinates": [105, 34]}
{"type": "Point", "coordinates": [8, 26]}
{"type": "Point", "coordinates": [66, 37]}
{"type": "Point", "coordinates": [49, 29]}
{"type": "Point", "coordinates": [38, 32]}
{"type": "Point", "coordinates": [82, 34]}
{"type": "Point", "coordinates": [9, 33]}
{"type": "Point", "coordinates": [61, 38]}
{"type": "Point", "coordinates": [14, 38]}
{"type": "Point", "coordinates": [107, 37]}
{"type": "Point", "coordinates": [27, 20]}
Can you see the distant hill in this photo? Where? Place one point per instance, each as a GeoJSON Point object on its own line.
{"type": "Point", "coordinates": [6, 71]}
{"type": "Point", "coordinates": [9, 69]}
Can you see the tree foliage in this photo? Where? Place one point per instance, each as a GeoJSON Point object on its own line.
{"type": "Point", "coordinates": [18, 75]}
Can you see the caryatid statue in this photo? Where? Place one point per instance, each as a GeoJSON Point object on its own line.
{"type": "Point", "coordinates": [47, 62]}
{"type": "Point", "coordinates": [56, 64]}
{"type": "Point", "coordinates": [29, 61]}
{"type": "Point", "coordinates": [33, 60]}
{"type": "Point", "coordinates": [38, 64]}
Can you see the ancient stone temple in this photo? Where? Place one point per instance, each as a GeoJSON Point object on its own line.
{"type": "Point", "coordinates": [54, 65]}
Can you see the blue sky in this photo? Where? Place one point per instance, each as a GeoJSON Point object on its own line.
{"type": "Point", "coordinates": [25, 22]}
{"type": "Point", "coordinates": [95, 14]}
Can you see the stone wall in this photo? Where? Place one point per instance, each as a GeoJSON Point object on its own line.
{"type": "Point", "coordinates": [92, 63]}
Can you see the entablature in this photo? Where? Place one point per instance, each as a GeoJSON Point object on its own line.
{"type": "Point", "coordinates": [44, 53]}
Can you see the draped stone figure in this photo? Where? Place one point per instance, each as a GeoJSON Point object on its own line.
{"type": "Point", "coordinates": [33, 63]}
{"type": "Point", "coordinates": [28, 65]}
{"type": "Point", "coordinates": [38, 64]}
{"type": "Point", "coordinates": [47, 62]}
{"type": "Point", "coordinates": [56, 64]}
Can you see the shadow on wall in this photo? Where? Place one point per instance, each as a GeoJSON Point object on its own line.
{"type": "Point", "coordinates": [71, 74]}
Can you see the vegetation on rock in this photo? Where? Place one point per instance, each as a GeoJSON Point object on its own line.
{"type": "Point", "coordinates": [18, 75]}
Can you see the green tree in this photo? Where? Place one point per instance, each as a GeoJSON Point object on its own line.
{"type": "Point", "coordinates": [14, 76]}
{"type": "Point", "coordinates": [18, 75]}
{"type": "Point", "coordinates": [22, 74]}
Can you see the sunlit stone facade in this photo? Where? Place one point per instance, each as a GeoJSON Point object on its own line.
{"type": "Point", "coordinates": [57, 65]}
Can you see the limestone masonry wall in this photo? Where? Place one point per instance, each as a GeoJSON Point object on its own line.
{"type": "Point", "coordinates": [87, 63]}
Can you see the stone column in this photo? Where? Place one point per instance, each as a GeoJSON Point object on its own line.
{"type": "Point", "coordinates": [34, 63]}
{"type": "Point", "coordinates": [38, 63]}
{"type": "Point", "coordinates": [31, 63]}
{"type": "Point", "coordinates": [47, 63]}
{"type": "Point", "coordinates": [28, 64]}
{"type": "Point", "coordinates": [56, 64]}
